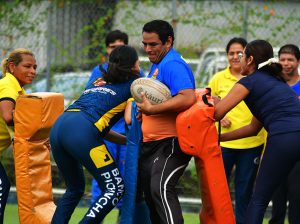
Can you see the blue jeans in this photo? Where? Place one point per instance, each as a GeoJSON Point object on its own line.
{"type": "Point", "coordinates": [246, 162]}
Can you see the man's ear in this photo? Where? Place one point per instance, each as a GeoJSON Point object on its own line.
{"type": "Point", "coordinates": [169, 42]}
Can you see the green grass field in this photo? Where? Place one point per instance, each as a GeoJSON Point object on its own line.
{"type": "Point", "coordinates": [11, 217]}
{"type": "Point", "coordinates": [11, 210]}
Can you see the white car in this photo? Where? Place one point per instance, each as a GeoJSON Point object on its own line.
{"type": "Point", "coordinates": [211, 61]}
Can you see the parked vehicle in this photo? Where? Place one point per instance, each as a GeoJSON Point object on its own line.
{"type": "Point", "coordinates": [211, 61]}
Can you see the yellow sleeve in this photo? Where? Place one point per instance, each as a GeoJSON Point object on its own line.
{"type": "Point", "coordinates": [130, 99]}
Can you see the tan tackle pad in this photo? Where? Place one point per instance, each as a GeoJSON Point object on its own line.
{"type": "Point", "coordinates": [33, 117]}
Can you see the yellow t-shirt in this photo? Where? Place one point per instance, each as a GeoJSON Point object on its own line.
{"type": "Point", "coordinates": [10, 89]}
{"type": "Point", "coordinates": [220, 84]}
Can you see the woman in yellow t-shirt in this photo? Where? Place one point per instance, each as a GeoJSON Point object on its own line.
{"type": "Point", "coordinates": [243, 154]}
{"type": "Point", "coordinates": [18, 69]}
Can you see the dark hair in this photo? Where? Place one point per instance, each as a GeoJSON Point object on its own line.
{"type": "Point", "coordinates": [162, 28]}
{"type": "Point", "coordinates": [290, 49]}
{"type": "Point", "coordinates": [120, 66]}
{"type": "Point", "coordinates": [116, 35]}
{"type": "Point", "coordinates": [236, 40]}
{"type": "Point", "coordinates": [261, 51]}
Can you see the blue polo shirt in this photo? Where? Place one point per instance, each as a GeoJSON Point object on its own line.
{"type": "Point", "coordinates": [174, 72]}
{"type": "Point", "coordinates": [296, 88]}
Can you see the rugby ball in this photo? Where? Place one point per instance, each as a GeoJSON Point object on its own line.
{"type": "Point", "coordinates": [155, 91]}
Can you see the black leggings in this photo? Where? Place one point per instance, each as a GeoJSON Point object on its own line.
{"type": "Point", "coordinates": [4, 191]}
{"type": "Point", "coordinates": [281, 154]}
{"type": "Point", "coordinates": [289, 191]}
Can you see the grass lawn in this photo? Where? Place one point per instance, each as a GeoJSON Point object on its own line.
{"type": "Point", "coordinates": [11, 216]}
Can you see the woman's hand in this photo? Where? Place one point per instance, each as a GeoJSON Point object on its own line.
{"type": "Point", "coordinates": [216, 99]}
{"type": "Point", "coordinates": [225, 122]}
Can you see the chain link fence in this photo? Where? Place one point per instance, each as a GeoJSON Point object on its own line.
{"type": "Point", "coordinates": [69, 35]}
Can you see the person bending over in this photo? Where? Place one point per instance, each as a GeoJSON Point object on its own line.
{"type": "Point", "coordinates": [77, 138]}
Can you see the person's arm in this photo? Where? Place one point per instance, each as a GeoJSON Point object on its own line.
{"type": "Point", "coordinates": [234, 97]}
{"type": "Point", "coordinates": [127, 113]}
{"type": "Point", "coordinates": [214, 86]}
{"type": "Point", "coordinates": [182, 101]}
{"type": "Point", "coordinates": [115, 137]}
{"type": "Point", "coordinates": [6, 111]}
{"type": "Point", "coordinates": [249, 130]}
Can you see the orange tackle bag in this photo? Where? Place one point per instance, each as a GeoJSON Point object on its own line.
{"type": "Point", "coordinates": [198, 136]}
{"type": "Point", "coordinates": [33, 117]}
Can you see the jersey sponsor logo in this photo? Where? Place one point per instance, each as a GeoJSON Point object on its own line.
{"type": "Point", "coordinates": [100, 156]}
{"type": "Point", "coordinates": [114, 191]}
{"type": "Point", "coordinates": [99, 82]}
{"type": "Point", "coordinates": [256, 160]}
{"type": "Point", "coordinates": [99, 90]}
{"type": "Point", "coordinates": [149, 95]}
{"type": "Point", "coordinates": [155, 73]}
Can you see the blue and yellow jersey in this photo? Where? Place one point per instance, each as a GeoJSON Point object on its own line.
{"type": "Point", "coordinates": [96, 74]}
{"type": "Point", "coordinates": [103, 103]}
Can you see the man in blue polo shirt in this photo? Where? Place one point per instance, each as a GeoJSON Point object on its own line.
{"type": "Point", "coordinates": [161, 161]}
